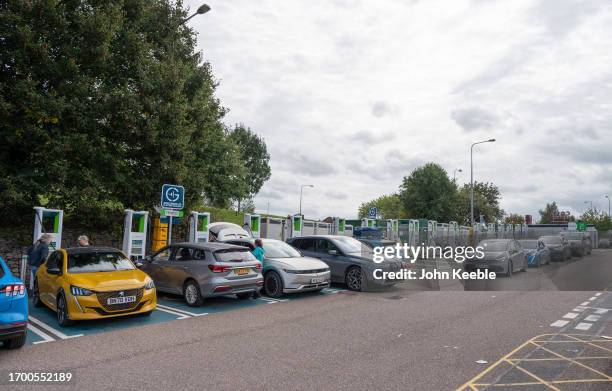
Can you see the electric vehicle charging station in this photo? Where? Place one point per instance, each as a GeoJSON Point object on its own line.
{"type": "Point", "coordinates": [413, 232]}
{"type": "Point", "coordinates": [371, 223]}
{"type": "Point", "coordinates": [135, 233]}
{"type": "Point", "coordinates": [198, 227]}
{"type": "Point", "coordinates": [254, 223]}
{"type": "Point", "coordinates": [392, 229]}
{"type": "Point", "coordinates": [432, 228]}
{"type": "Point", "coordinates": [296, 226]}
{"type": "Point", "coordinates": [57, 216]}
{"type": "Point", "coordinates": [339, 226]}
{"type": "Point", "coordinates": [453, 232]}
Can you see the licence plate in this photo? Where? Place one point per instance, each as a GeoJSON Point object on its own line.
{"type": "Point", "coordinates": [241, 271]}
{"type": "Point", "coordinates": [483, 266]}
{"type": "Point", "coordinates": [317, 280]}
{"type": "Point", "coordinates": [120, 300]}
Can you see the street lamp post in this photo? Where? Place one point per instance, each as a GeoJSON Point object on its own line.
{"type": "Point", "coordinates": [608, 197]}
{"type": "Point", "coordinates": [204, 8]}
{"type": "Point", "coordinates": [472, 177]}
{"type": "Point", "coordinates": [455, 173]}
{"type": "Point", "coordinates": [301, 193]}
{"type": "Point", "coordinates": [586, 202]}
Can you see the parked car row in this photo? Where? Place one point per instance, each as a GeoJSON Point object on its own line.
{"type": "Point", "coordinates": [506, 256]}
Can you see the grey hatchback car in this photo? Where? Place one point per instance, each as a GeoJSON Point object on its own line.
{"type": "Point", "coordinates": [201, 270]}
{"type": "Point", "coordinates": [349, 260]}
{"type": "Point", "coordinates": [501, 256]}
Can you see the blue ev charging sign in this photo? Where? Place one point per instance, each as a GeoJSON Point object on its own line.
{"type": "Point", "coordinates": [173, 197]}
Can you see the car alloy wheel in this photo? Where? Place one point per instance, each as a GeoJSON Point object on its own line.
{"type": "Point", "coordinates": [192, 294]}
{"type": "Point", "coordinates": [273, 284]}
{"type": "Point", "coordinates": [62, 311]}
{"type": "Point", "coordinates": [354, 278]}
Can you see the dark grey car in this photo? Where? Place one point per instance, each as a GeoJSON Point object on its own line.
{"type": "Point", "coordinates": [501, 256]}
{"type": "Point", "coordinates": [580, 243]}
{"type": "Point", "coordinates": [559, 247]}
{"type": "Point", "coordinates": [204, 270]}
{"type": "Point", "coordinates": [349, 260]}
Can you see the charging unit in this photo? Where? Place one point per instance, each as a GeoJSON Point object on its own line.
{"type": "Point", "coordinates": [296, 226]}
{"type": "Point", "coordinates": [254, 223]}
{"type": "Point", "coordinates": [135, 233]}
{"type": "Point", "coordinates": [393, 229]}
{"type": "Point", "coordinates": [339, 226]}
{"type": "Point", "coordinates": [57, 217]}
{"type": "Point", "coordinates": [371, 223]}
{"type": "Point", "coordinates": [413, 232]}
{"type": "Point", "coordinates": [198, 227]}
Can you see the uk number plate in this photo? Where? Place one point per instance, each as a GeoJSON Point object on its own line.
{"type": "Point", "coordinates": [317, 280]}
{"type": "Point", "coordinates": [120, 300]}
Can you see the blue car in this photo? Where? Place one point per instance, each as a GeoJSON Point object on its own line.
{"type": "Point", "coordinates": [537, 252]}
{"type": "Point", "coordinates": [13, 309]}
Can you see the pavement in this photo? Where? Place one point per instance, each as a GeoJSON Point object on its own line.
{"type": "Point", "coordinates": [403, 338]}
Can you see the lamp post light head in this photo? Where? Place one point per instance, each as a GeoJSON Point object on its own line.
{"type": "Point", "coordinates": [492, 140]}
{"type": "Point", "coordinates": [204, 8]}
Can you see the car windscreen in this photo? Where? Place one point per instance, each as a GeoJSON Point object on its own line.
{"type": "Point", "coordinates": [493, 246]}
{"type": "Point", "coordinates": [551, 240]}
{"type": "Point", "coordinates": [234, 255]}
{"type": "Point", "coordinates": [350, 245]}
{"type": "Point", "coordinates": [278, 249]}
{"type": "Point", "coordinates": [103, 261]}
{"type": "Point", "coordinates": [530, 244]}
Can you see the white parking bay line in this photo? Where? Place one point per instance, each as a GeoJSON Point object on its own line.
{"type": "Point", "coordinates": [559, 323]}
{"type": "Point", "coordinates": [570, 315]}
{"type": "Point", "coordinates": [601, 311]}
{"type": "Point", "coordinates": [583, 326]}
{"type": "Point", "coordinates": [579, 309]}
{"type": "Point", "coordinates": [181, 311]}
{"type": "Point", "coordinates": [585, 303]}
{"type": "Point", "coordinates": [592, 318]}
{"type": "Point", "coordinates": [52, 330]}
{"type": "Point", "coordinates": [180, 316]}
{"type": "Point", "coordinates": [46, 337]}
{"type": "Point", "coordinates": [593, 298]}
{"type": "Point", "coordinates": [598, 294]}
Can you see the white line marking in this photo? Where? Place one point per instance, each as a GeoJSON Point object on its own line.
{"type": "Point", "coordinates": [585, 303]}
{"type": "Point", "coordinates": [570, 315]}
{"type": "Point", "coordinates": [598, 294]}
{"type": "Point", "coordinates": [592, 318]}
{"type": "Point", "coordinates": [559, 323]}
{"type": "Point", "coordinates": [273, 299]}
{"type": "Point", "coordinates": [180, 316]}
{"type": "Point", "coordinates": [583, 326]}
{"type": "Point", "coordinates": [579, 309]}
{"type": "Point", "coordinates": [181, 311]}
{"type": "Point", "coordinates": [601, 311]}
{"type": "Point", "coordinates": [46, 337]}
{"type": "Point", "coordinates": [52, 330]}
{"type": "Point", "coordinates": [592, 298]}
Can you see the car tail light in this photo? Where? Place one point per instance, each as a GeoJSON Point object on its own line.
{"type": "Point", "coordinates": [258, 266]}
{"type": "Point", "coordinates": [14, 290]}
{"type": "Point", "coordinates": [219, 268]}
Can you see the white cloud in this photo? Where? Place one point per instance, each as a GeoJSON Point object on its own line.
{"type": "Point", "coordinates": [351, 96]}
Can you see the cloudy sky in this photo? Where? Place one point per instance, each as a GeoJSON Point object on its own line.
{"type": "Point", "coordinates": [352, 95]}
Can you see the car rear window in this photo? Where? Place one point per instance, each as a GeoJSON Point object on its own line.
{"type": "Point", "coordinates": [234, 255]}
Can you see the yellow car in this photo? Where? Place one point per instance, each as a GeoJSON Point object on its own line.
{"type": "Point", "coordinates": [92, 283]}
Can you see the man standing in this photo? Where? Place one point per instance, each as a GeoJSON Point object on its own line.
{"type": "Point", "coordinates": [83, 241]}
{"type": "Point", "coordinates": [37, 255]}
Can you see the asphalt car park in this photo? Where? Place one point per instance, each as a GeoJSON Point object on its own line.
{"type": "Point", "coordinates": [43, 326]}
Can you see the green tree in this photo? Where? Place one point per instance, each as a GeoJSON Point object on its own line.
{"type": "Point", "coordinates": [101, 102]}
{"type": "Point", "coordinates": [547, 215]}
{"type": "Point", "coordinates": [255, 156]}
{"type": "Point", "coordinates": [486, 203]}
{"type": "Point", "coordinates": [600, 220]}
{"type": "Point", "coordinates": [389, 207]}
{"type": "Point", "coordinates": [429, 193]}
{"type": "Point", "coordinates": [514, 218]}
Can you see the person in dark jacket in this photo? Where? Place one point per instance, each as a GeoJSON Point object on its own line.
{"type": "Point", "coordinates": [38, 255]}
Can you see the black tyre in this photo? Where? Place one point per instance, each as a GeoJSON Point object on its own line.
{"type": "Point", "coordinates": [15, 343]}
{"type": "Point", "coordinates": [192, 294]}
{"type": "Point", "coordinates": [354, 278]}
{"type": "Point", "coordinates": [244, 296]}
{"type": "Point", "coordinates": [63, 317]}
{"type": "Point", "coordinates": [273, 284]}
{"type": "Point", "coordinates": [36, 295]}
{"type": "Point", "coordinates": [509, 271]}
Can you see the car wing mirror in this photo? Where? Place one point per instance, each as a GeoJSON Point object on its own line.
{"type": "Point", "coordinates": [333, 252]}
{"type": "Point", "coordinates": [139, 264]}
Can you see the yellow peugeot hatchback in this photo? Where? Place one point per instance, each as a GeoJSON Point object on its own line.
{"type": "Point", "coordinates": [92, 283]}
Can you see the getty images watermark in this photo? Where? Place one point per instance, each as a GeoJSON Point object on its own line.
{"type": "Point", "coordinates": [412, 253]}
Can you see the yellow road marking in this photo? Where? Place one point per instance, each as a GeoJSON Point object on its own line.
{"type": "Point", "coordinates": [592, 344]}
{"type": "Point", "coordinates": [575, 362]}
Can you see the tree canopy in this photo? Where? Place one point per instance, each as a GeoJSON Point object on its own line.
{"type": "Point", "coordinates": [389, 207]}
{"type": "Point", "coordinates": [101, 102]}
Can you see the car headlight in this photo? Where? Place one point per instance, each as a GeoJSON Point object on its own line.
{"type": "Point", "coordinates": [291, 271]}
{"type": "Point", "coordinates": [149, 284]}
{"type": "Point", "coordinates": [77, 291]}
